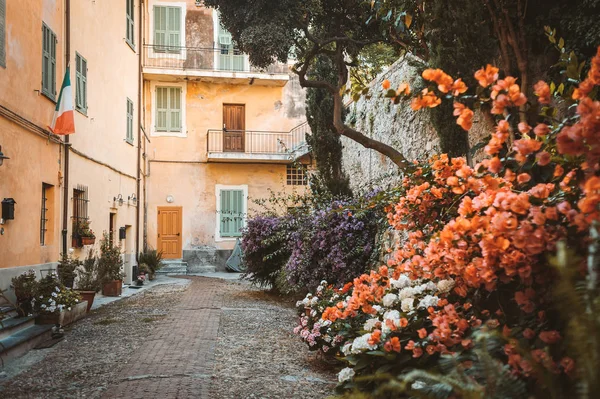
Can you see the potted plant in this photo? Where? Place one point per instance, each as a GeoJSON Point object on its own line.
{"type": "Point", "coordinates": [85, 233]}
{"type": "Point", "coordinates": [152, 259]}
{"type": "Point", "coordinates": [25, 286]}
{"type": "Point", "coordinates": [66, 269]}
{"type": "Point", "coordinates": [56, 304]}
{"type": "Point", "coordinates": [87, 282]}
{"type": "Point", "coordinates": [110, 264]}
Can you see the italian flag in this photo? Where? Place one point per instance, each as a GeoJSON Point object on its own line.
{"type": "Point", "coordinates": [63, 122]}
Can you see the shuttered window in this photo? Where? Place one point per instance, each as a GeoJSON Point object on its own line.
{"type": "Point", "coordinates": [167, 29]}
{"type": "Point", "coordinates": [129, 137]}
{"type": "Point", "coordinates": [168, 109]}
{"type": "Point", "coordinates": [80, 83]}
{"type": "Point", "coordinates": [130, 34]}
{"type": "Point", "coordinates": [48, 62]}
{"type": "Point", "coordinates": [232, 213]}
{"type": "Point", "coordinates": [3, 33]}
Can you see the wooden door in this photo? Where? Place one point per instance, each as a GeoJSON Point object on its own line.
{"type": "Point", "coordinates": [169, 231]}
{"type": "Point", "coordinates": [234, 124]}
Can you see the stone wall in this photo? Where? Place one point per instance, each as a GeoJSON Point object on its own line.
{"type": "Point", "coordinates": [411, 132]}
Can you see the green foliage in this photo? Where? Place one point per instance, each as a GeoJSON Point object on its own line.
{"type": "Point", "coordinates": [25, 286]}
{"type": "Point", "coordinates": [110, 261]}
{"type": "Point", "coordinates": [87, 273]}
{"type": "Point", "coordinates": [324, 140]}
{"type": "Point", "coordinates": [52, 297]}
{"type": "Point", "coordinates": [153, 261]}
{"type": "Point", "coordinates": [66, 269]}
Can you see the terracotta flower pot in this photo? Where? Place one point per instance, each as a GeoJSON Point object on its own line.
{"type": "Point", "coordinates": [89, 297]}
{"type": "Point", "coordinates": [112, 288]}
{"type": "Point", "coordinates": [88, 240]}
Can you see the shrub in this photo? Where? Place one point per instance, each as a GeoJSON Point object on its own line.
{"type": "Point", "coordinates": [66, 269]}
{"type": "Point", "coordinates": [153, 261]}
{"type": "Point", "coordinates": [265, 249]}
{"type": "Point", "coordinates": [51, 296]}
{"type": "Point", "coordinates": [110, 261]}
{"type": "Point", "coordinates": [25, 286]}
{"type": "Point", "coordinates": [333, 244]}
{"type": "Point", "coordinates": [87, 273]}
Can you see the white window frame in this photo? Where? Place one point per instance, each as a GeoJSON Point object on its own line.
{"type": "Point", "coordinates": [217, 47]}
{"type": "Point", "coordinates": [183, 86]}
{"type": "Point", "coordinates": [183, 5]}
{"type": "Point", "coordinates": [218, 189]}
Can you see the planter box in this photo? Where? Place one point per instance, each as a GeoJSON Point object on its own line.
{"type": "Point", "coordinates": [113, 288]}
{"type": "Point", "coordinates": [88, 240]}
{"type": "Point", "coordinates": [89, 297]}
{"type": "Point", "coordinates": [65, 317]}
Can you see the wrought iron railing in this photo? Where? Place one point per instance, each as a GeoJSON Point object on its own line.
{"type": "Point", "coordinates": [206, 59]}
{"type": "Point", "coordinates": [257, 142]}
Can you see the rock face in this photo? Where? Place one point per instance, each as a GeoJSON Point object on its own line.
{"type": "Point", "coordinates": [411, 132]}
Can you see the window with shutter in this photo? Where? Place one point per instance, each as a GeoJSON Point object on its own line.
{"type": "Point", "coordinates": [129, 137]}
{"type": "Point", "coordinates": [3, 33]}
{"type": "Point", "coordinates": [231, 213]}
{"type": "Point", "coordinates": [168, 109]}
{"type": "Point", "coordinates": [80, 83]}
{"type": "Point", "coordinates": [167, 29]}
{"type": "Point", "coordinates": [48, 62]}
{"type": "Point", "coordinates": [130, 34]}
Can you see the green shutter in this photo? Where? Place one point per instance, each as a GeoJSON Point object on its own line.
{"type": "Point", "coordinates": [129, 137]}
{"type": "Point", "coordinates": [80, 83]}
{"type": "Point", "coordinates": [175, 109]}
{"type": "Point", "coordinates": [48, 62]}
{"type": "Point", "coordinates": [160, 28]}
{"type": "Point", "coordinates": [161, 108]}
{"type": "Point", "coordinates": [232, 213]}
{"type": "Point", "coordinates": [167, 29]}
{"type": "Point", "coordinates": [3, 33]}
{"type": "Point", "coordinates": [174, 27]}
{"type": "Point", "coordinates": [130, 36]}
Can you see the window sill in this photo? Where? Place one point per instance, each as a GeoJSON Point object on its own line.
{"type": "Point", "coordinates": [130, 142]}
{"type": "Point", "coordinates": [82, 111]}
{"type": "Point", "coordinates": [51, 98]}
{"type": "Point", "coordinates": [169, 134]}
{"type": "Point", "coordinates": [131, 45]}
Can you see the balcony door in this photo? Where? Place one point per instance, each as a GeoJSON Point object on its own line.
{"type": "Point", "coordinates": [234, 124]}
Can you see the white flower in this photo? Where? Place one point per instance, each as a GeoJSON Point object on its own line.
{"type": "Point", "coordinates": [43, 306]}
{"type": "Point", "coordinates": [394, 317]}
{"type": "Point", "coordinates": [299, 303]}
{"type": "Point", "coordinates": [407, 304]}
{"type": "Point", "coordinates": [389, 300]}
{"type": "Point", "coordinates": [427, 301]}
{"type": "Point", "coordinates": [313, 313]}
{"type": "Point", "coordinates": [407, 292]}
{"type": "Point", "coordinates": [336, 296]}
{"type": "Point", "coordinates": [378, 308]}
{"type": "Point", "coordinates": [346, 348]}
{"type": "Point", "coordinates": [402, 282]}
{"type": "Point", "coordinates": [445, 285]}
{"type": "Point", "coordinates": [431, 286]}
{"type": "Point", "coordinates": [323, 282]}
{"type": "Point", "coordinates": [56, 289]}
{"type": "Point", "coordinates": [346, 374]}
{"type": "Point", "coordinates": [54, 294]}
{"type": "Point", "coordinates": [327, 338]}
{"type": "Point", "coordinates": [370, 324]}
{"type": "Point", "coordinates": [314, 301]}
{"type": "Point", "coordinates": [320, 288]}
{"type": "Point", "coordinates": [361, 344]}
{"type": "Point", "coordinates": [326, 323]}
{"type": "Point", "coordinates": [69, 308]}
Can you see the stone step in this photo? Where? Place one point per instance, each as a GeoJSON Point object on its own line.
{"type": "Point", "coordinates": [172, 272]}
{"type": "Point", "coordinates": [12, 325]}
{"type": "Point", "coordinates": [19, 343]}
{"type": "Point", "coordinates": [173, 267]}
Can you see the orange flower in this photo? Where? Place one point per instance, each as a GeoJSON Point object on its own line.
{"type": "Point", "coordinates": [425, 99]}
{"type": "Point", "coordinates": [422, 333]}
{"type": "Point", "coordinates": [542, 90]}
{"type": "Point", "coordinates": [495, 165]}
{"type": "Point", "coordinates": [393, 345]}
{"type": "Point", "coordinates": [444, 81]}
{"type": "Point", "coordinates": [410, 345]}
{"type": "Point", "coordinates": [543, 158]}
{"type": "Point", "coordinates": [529, 333]}
{"type": "Point", "coordinates": [458, 87]}
{"type": "Point", "coordinates": [524, 127]}
{"type": "Point", "coordinates": [558, 171]}
{"type": "Point", "coordinates": [403, 322]}
{"type": "Point", "coordinates": [417, 352]}
{"type": "Point", "coordinates": [375, 337]}
{"type": "Point", "coordinates": [567, 364]}
{"type": "Point", "coordinates": [465, 117]}
{"type": "Point", "coordinates": [523, 178]}
{"type": "Point", "coordinates": [386, 84]}
{"type": "Point", "coordinates": [527, 146]}
{"type": "Point", "coordinates": [541, 130]}
{"type": "Point", "coordinates": [403, 89]}
{"type": "Point", "coordinates": [486, 76]}
{"type": "Point", "coordinates": [550, 337]}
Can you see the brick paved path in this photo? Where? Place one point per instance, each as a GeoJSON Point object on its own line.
{"type": "Point", "coordinates": [178, 358]}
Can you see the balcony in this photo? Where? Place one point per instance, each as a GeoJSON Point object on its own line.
{"type": "Point", "coordinates": [209, 64]}
{"type": "Point", "coordinates": [257, 146]}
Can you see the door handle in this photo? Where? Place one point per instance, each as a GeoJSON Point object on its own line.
{"type": "Point", "coordinates": [178, 234]}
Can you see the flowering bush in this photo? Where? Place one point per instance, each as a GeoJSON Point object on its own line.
{"type": "Point", "coordinates": [333, 244]}
{"type": "Point", "coordinates": [52, 296]}
{"type": "Point", "coordinates": [478, 238]}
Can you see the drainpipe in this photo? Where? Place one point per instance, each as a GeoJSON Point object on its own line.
{"type": "Point", "coordinates": [67, 145]}
{"type": "Point", "coordinates": [139, 137]}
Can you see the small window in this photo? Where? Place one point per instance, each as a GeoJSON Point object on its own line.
{"type": "Point", "coordinates": [231, 216]}
{"type": "Point", "coordinates": [296, 175]}
{"type": "Point", "coordinates": [3, 33]}
{"type": "Point", "coordinates": [129, 137]}
{"type": "Point", "coordinates": [167, 29]}
{"type": "Point", "coordinates": [80, 83]}
{"type": "Point", "coordinates": [168, 109]}
{"type": "Point", "coordinates": [80, 208]}
{"type": "Point", "coordinates": [44, 221]}
{"type": "Point", "coordinates": [130, 34]}
{"type": "Point", "coordinates": [48, 62]}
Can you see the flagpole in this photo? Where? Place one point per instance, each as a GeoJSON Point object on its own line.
{"type": "Point", "coordinates": [65, 227]}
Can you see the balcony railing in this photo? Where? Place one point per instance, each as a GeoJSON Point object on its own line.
{"type": "Point", "coordinates": [204, 59]}
{"type": "Point", "coordinates": [258, 142]}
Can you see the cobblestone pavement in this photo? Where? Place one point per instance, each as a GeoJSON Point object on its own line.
{"type": "Point", "coordinates": [213, 339]}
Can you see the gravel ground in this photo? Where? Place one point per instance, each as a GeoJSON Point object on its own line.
{"type": "Point", "coordinates": [256, 353]}
{"type": "Point", "coordinates": [94, 351]}
{"type": "Point", "coordinates": [258, 356]}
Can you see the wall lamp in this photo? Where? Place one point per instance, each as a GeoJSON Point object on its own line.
{"type": "Point", "coordinates": [2, 156]}
{"type": "Point", "coordinates": [133, 199]}
{"type": "Point", "coordinates": [118, 199]}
